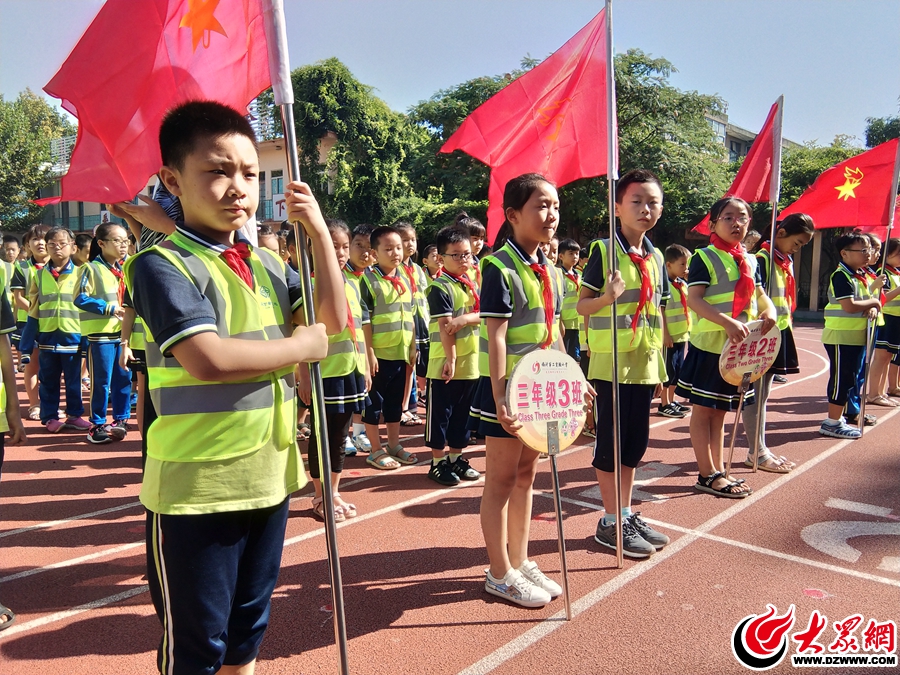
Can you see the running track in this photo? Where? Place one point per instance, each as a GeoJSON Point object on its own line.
{"type": "Point", "coordinates": [72, 559]}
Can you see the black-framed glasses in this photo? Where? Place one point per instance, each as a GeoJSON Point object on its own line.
{"type": "Point", "coordinates": [859, 250]}
{"type": "Point", "coordinates": [740, 220]}
{"type": "Point", "coordinates": [117, 242]}
{"type": "Point", "coordinates": [459, 257]}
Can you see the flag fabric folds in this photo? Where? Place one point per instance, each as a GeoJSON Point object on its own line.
{"type": "Point", "coordinates": [136, 61]}
{"type": "Point", "coordinates": [552, 120]}
{"type": "Point", "coordinates": [754, 179]}
{"type": "Point", "coordinates": [854, 193]}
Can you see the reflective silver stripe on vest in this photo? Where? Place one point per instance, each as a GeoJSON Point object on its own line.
{"type": "Point", "coordinates": [213, 398]}
{"type": "Point", "coordinates": [61, 313]}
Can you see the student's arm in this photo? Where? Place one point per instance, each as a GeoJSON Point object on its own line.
{"type": "Point", "coordinates": [13, 416]}
{"type": "Point", "coordinates": [125, 353]}
{"type": "Point", "coordinates": [33, 297]}
{"type": "Point", "coordinates": [496, 329]}
{"type": "Point", "coordinates": [766, 310]}
{"type": "Point", "coordinates": [448, 342]}
{"type": "Point", "coordinates": [454, 325]}
{"type": "Point", "coordinates": [20, 300]}
{"type": "Point", "coordinates": [853, 306]}
{"type": "Point", "coordinates": [734, 329]}
{"type": "Point", "coordinates": [330, 300]}
{"type": "Point", "coordinates": [598, 289]}
{"type": "Point", "coordinates": [150, 214]}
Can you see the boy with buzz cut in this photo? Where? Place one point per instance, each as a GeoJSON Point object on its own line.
{"type": "Point", "coordinates": [850, 307]}
{"type": "Point", "coordinates": [358, 262]}
{"type": "Point", "coordinates": [390, 341]}
{"type": "Point", "coordinates": [676, 329]}
{"type": "Point", "coordinates": [453, 359]}
{"type": "Point", "coordinates": [640, 285]}
{"type": "Point", "coordinates": [569, 249]}
{"type": "Point", "coordinates": [222, 456]}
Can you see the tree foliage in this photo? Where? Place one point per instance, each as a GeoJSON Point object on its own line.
{"type": "Point", "coordinates": [881, 129]}
{"type": "Point", "coordinates": [27, 125]}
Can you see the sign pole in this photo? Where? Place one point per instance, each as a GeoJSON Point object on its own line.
{"type": "Point", "coordinates": [870, 326]}
{"type": "Point", "coordinates": [553, 451]}
{"type": "Point", "coordinates": [742, 390]}
{"type": "Point", "coordinates": [276, 34]}
{"type": "Point", "coordinates": [774, 194]}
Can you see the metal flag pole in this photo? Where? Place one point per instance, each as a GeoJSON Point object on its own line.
{"type": "Point", "coordinates": [774, 195]}
{"type": "Point", "coordinates": [870, 326]}
{"type": "Point", "coordinates": [612, 174]}
{"type": "Point", "coordinates": [553, 451]}
{"type": "Point", "coordinates": [276, 37]}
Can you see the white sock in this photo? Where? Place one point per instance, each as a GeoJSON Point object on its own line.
{"type": "Point", "coordinates": [834, 422]}
{"type": "Point", "coordinates": [358, 429]}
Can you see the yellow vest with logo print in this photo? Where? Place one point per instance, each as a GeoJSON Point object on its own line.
{"type": "Point", "coordinates": [201, 421]}
{"type": "Point", "coordinates": [569, 315]}
{"type": "Point", "coordinates": [466, 338]}
{"type": "Point", "coordinates": [391, 319]}
{"type": "Point", "coordinates": [527, 327]}
{"type": "Point", "coordinates": [648, 332]}
{"type": "Point", "coordinates": [892, 308]}
{"type": "Point", "coordinates": [56, 309]}
{"type": "Point", "coordinates": [777, 290]}
{"type": "Point", "coordinates": [106, 287]}
{"type": "Point", "coordinates": [845, 328]}
{"type": "Point", "coordinates": [723, 275]}
{"type": "Point", "coordinates": [344, 355]}
{"type": "Point", "coordinates": [678, 322]}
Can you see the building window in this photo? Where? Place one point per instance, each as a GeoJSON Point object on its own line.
{"type": "Point", "coordinates": [735, 152]}
{"type": "Point", "coordinates": [262, 185]}
{"type": "Point", "coordinates": [718, 128]}
{"type": "Point", "coordinates": [277, 182]}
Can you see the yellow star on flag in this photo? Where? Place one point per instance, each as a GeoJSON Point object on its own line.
{"type": "Point", "coordinates": [854, 179]}
{"type": "Point", "coordinates": [202, 22]}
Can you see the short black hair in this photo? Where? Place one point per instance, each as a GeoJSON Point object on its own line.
{"type": "Point", "coordinates": [337, 225]}
{"type": "Point", "coordinates": [476, 229]}
{"type": "Point", "coordinates": [454, 234]}
{"type": "Point", "coordinates": [566, 245]}
{"type": "Point", "coordinates": [851, 239]}
{"type": "Point", "coordinates": [184, 125]}
{"type": "Point", "coordinates": [584, 253]}
{"type": "Point", "coordinates": [379, 232]}
{"type": "Point", "coordinates": [428, 249]}
{"type": "Point", "coordinates": [36, 231]}
{"type": "Point", "coordinates": [632, 177]}
{"type": "Point", "coordinates": [264, 230]}
{"type": "Point", "coordinates": [797, 223]}
{"type": "Point", "coordinates": [676, 252]}
{"type": "Point", "coordinates": [10, 238]}
{"type": "Point", "coordinates": [404, 226]}
{"type": "Point", "coordinates": [362, 230]}
{"type": "Point", "coordinates": [82, 240]}
{"type": "Point", "coordinates": [53, 231]}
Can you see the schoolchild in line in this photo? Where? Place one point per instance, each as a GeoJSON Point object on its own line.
{"type": "Point", "coordinates": [453, 305]}
{"type": "Point", "coordinates": [641, 287]}
{"type": "Point", "coordinates": [791, 234]}
{"type": "Point", "coordinates": [477, 234]}
{"type": "Point", "coordinates": [520, 305]}
{"type": "Point", "coordinates": [418, 281]}
{"type": "Point", "coordinates": [430, 261]}
{"type": "Point", "coordinates": [676, 330]}
{"type": "Point", "coordinates": [571, 319]}
{"type": "Point", "coordinates": [850, 307]}
{"type": "Point", "coordinates": [887, 338]}
{"type": "Point", "coordinates": [359, 260]}
{"type": "Point", "coordinates": [725, 292]}
{"type": "Point", "coordinates": [99, 296]}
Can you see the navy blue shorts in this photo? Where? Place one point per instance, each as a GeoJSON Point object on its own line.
{"type": "Point", "coordinates": [572, 343]}
{"type": "Point", "coordinates": [211, 579]}
{"type": "Point", "coordinates": [634, 424]}
{"type": "Point", "coordinates": [845, 361]}
{"type": "Point", "coordinates": [483, 411]}
{"type": "Point", "coordinates": [674, 362]}
{"type": "Point", "coordinates": [888, 336]}
{"type": "Point", "coordinates": [386, 397]}
{"type": "Point", "coordinates": [448, 413]}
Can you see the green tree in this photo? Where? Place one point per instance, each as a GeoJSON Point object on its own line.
{"type": "Point", "coordinates": [27, 125]}
{"type": "Point", "coordinates": [881, 129]}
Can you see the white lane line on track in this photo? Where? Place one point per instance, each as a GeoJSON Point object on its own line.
{"type": "Point", "coordinates": [63, 521]}
{"type": "Point", "coordinates": [72, 561]}
{"type": "Point", "coordinates": [516, 646]}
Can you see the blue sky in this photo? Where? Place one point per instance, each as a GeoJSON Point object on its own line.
{"type": "Point", "coordinates": [836, 62]}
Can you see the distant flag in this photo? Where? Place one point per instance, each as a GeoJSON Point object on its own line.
{"type": "Point", "coordinates": [855, 193]}
{"type": "Point", "coordinates": [552, 120]}
{"type": "Point", "coordinates": [753, 182]}
{"type": "Point", "coordinates": [136, 61]}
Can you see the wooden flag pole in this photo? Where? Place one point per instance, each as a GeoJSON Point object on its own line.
{"type": "Point", "coordinates": [276, 35]}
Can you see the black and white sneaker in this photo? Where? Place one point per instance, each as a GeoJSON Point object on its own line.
{"type": "Point", "coordinates": [463, 470]}
{"type": "Point", "coordinates": [99, 434]}
{"type": "Point", "coordinates": [442, 473]}
{"type": "Point", "coordinates": [669, 410]}
{"type": "Point", "coordinates": [118, 430]}
{"type": "Point", "coordinates": [651, 536]}
{"type": "Point", "coordinates": [681, 407]}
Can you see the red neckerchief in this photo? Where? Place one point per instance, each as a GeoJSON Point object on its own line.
{"type": "Point", "coordinates": [353, 271]}
{"type": "Point", "coordinates": [573, 277]}
{"type": "Point", "coordinates": [411, 275]}
{"type": "Point", "coordinates": [470, 286]}
{"type": "Point", "coordinates": [745, 286]}
{"type": "Point", "coordinates": [55, 272]}
{"type": "Point", "coordinates": [547, 295]}
{"type": "Point", "coordinates": [395, 280]}
{"type": "Point", "coordinates": [786, 264]}
{"type": "Point", "coordinates": [116, 269]}
{"type": "Point", "coordinates": [679, 284]}
{"type": "Point", "coordinates": [646, 289]}
{"type": "Point", "coordinates": [873, 275]}
{"type": "Point", "coordinates": [234, 257]}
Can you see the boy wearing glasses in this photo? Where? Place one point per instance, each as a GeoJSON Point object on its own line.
{"type": "Point", "coordinates": [850, 306]}
{"type": "Point", "coordinates": [453, 304]}
{"type": "Point", "coordinates": [53, 316]}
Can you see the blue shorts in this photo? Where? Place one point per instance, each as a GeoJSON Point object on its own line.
{"type": "Point", "coordinates": [845, 364]}
{"type": "Point", "coordinates": [674, 362]}
{"type": "Point", "coordinates": [211, 579]}
{"type": "Point", "coordinates": [448, 413]}
{"type": "Point", "coordinates": [386, 397]}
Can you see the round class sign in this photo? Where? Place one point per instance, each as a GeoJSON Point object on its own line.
{"type": "Point", "coordinates": [755, 354]}
{"type": "Point", "coordinates": [547, 385]}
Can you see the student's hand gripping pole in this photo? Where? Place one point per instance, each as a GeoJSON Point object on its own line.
{"type": "Point", "coordinates": [276, 34]}
{"type": "Point", "coordinates": [553, 451]}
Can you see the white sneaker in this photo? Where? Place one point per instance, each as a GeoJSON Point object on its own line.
{"type": "Point", "coordinates": [517, 589]}
{"type": "Point", "coordinates": [531, 572]}
{"type": "Point", "coordinates": [362, 443]}
{"type": "Point", "coordinates": [349, 447]}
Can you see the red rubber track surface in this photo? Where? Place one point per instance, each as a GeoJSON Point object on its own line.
{"type": "Point", "coordinates": [72, 558]}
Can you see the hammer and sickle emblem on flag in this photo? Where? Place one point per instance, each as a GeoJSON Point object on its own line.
{"type": "Point", "coordinates": [854, 180]}
{"type": "Point", "coordinates": [552, 114]}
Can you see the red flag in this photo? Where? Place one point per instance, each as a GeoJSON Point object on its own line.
{"type": "Point", "coordinates": [854, 193]}
{"type": "Point", "coordinates": [136, 61]}
{"type": "Point", "coordinates": [753, 181]}
{"type": "Point", "coordinates": [552, 120]}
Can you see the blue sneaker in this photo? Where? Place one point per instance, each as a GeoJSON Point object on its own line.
{"type": "Point", "coordinates": [349, 447]}
{"type": "Point", "coordinates": [839, 430]}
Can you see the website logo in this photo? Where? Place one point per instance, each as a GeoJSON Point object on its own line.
{"type": "Point", "coordinates": [760, 642]}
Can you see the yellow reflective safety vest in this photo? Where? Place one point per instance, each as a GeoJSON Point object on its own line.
{"type": "Point", "coordinates": [7, 271]}
{"type": "Point", "coordinates": [28, 270]}
{"type": "Point", "coordinates": [648, 332]}
{"type": "Point", "coordinates": [344, 355]}
{"type": "Point", "coordinates": [527, 327]}
{"type": "Point", "coordinates": [56, 310]}
{"type": "Point", "coordinates": [103, 284]}
{"type": "Point", "coordinates": [777, 290]}
{"type": "Point", "coordinates": [201, 421]}
{"type": "Point", "coordinates": [845, 328]}
{"type": "Point", "coordinates": [138, 335]}
{"type": "Point", "coordinates": [723, 275]}
{"type": "Point", "coordinates": [466, 338]}
{"type": "Point", "coordinates": [569, 315]}
{"type": "Point", "coordinates": [392, 316]}
{"type": "Point", "coordinates": [892, 308]}
{"type": "Point", "coordinates": [678, 321]}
